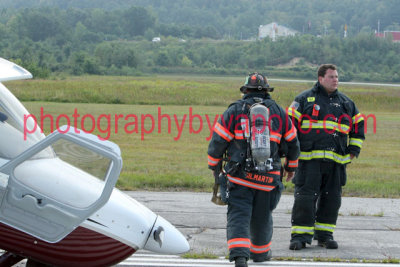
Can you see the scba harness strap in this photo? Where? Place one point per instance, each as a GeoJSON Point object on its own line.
{"type": "Point", "coordinates": [258, 157]}
{"type": "Point", "coordinates": [247, 103]}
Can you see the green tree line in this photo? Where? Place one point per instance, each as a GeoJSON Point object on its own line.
{"type": "Point", "coordinates": [198, 37]}
{"type": "Point", "coordinates": [238, 19]}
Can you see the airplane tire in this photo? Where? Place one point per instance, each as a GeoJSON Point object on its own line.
{"type": "Point", "coordinates": [32, 263]}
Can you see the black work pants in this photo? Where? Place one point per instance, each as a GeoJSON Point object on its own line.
{"type": "Point", "coordinates": [250, 226]}
{"type": "Point", "coordinates": [317, 199]}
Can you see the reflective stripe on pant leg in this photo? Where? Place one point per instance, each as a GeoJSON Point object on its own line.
{"type": "Point", "coordinates": [324, 227]}
{"type": "Point", "coordinates": [260, 249]}
{"type": "Point", "coordinates": [307, 188]}
{"type": "Point", "coordinates": [261, 225]}
{"type": "Point", "coordinates": [239, 243]}
{"type": "Point", "coordinates": [329, 202]}
{"type": "Point", "coordinates": [309, 230]}
{"type": "Point", "coordinates": [238, 217]}
{"type": "Point", "coordinates": [303, 218]}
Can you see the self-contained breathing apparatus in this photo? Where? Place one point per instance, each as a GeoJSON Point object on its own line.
{"type": "Point", "coordinates": [258, 148]}
{"type": "Point", "coordinates": [258, 140]}
{"type": "Point", "coordinates": [257, 133]}
{"type": "Point", "coordinates": [258, 157]}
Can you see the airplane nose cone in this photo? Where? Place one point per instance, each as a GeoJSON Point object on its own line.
{"type": "Point", "coordinates": [166, 239]}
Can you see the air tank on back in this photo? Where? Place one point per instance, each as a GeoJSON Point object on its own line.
{"type": "Point", "coordinates": [259, 140]}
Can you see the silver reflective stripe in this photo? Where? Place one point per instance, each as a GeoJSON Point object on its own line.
{"type": "Point", "coordinates": [356, 142]}
{"type": "Point", "coordinates": [290, 136]}
{"type": "Point", "coordinates": [260, 249]}
{"type": "Point", "coordinates": [212, 162]}
{"type": "Point", "coordinates": [325, 154]}
{"type": "Point", "coordinates": [239, 243]}
{"type": "Point", "coordinates": [325, 227]}
{"type": "Point", "coordinates": [222, 131]}
{"type": "Point", "coordinates": [294, 113]}
{"type": "Point", "coordinates": [357, 118]}
{"type": "Point", "coordinates": [276, 136]}
{"type": "Point", "coordinates": [302, 230]}
{"type": "Point", "coordinates": [306, 124]}
{"type": "Point", "coordinates": [245, 127]}
{"type": "Point", "coordinates": [239, 136]}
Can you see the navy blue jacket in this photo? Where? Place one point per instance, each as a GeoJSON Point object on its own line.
{"type": "Point", "coordinates": [230, 136]}
{"type": "Point", "coordinates": [329, 127]}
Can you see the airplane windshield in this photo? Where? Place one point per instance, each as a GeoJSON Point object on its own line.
{"type": "Point", "coordinates": [76, 177]}
{"type": "Point", "coordinates": [14, 126]}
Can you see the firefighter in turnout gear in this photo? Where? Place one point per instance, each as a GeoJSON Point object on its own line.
{"type": "Point", "coordinates": [255, 133]}
{"type": "Point", "coordinates": [331, 134]}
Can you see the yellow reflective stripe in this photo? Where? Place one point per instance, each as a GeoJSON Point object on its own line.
{"type": "Point", "coordinates": [306, 124]}
{"type": "Point", "coordinates": [303, 230]}
{"type": "Point", "coordinates": [325, 154]}
{"type": "Point", "coordinates": [357, 118]}
{"type": "Point", "coordinates": [325, 224]}
{"type": "Point", "coordinates": [325, 227]}
{"type": "Point", "coordinates": [294, 113]}
{"type": "Point", "coordinates": [356, 142]}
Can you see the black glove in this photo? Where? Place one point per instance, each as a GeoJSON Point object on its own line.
{"type": "Point", "coordinates": [216, 171]}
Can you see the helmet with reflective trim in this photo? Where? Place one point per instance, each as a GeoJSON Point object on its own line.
{"type": "Point", "coordinates": [256, 82]}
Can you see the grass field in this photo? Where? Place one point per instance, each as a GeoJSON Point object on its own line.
{"type": "Point", "coordinates": [177, 159]}
{"type": "Point", "coordinates": [181, 90]}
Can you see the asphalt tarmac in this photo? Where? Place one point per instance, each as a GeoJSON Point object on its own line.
{"type": "Point", "coordinates": [367, 228]}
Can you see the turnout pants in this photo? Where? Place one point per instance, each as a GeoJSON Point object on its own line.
{"type": "Point", "coordinates": [317, 199]}
{"type": "Point", "coordinates": [250, 226]}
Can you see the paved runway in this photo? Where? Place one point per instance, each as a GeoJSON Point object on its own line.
{"type": "Point", "coordinates": [367, 228]}
{"type": "Point", "coordinates": [141, 259]}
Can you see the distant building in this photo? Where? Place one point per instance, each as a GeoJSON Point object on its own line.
{"type": "Point", "coordinates": [395, 35]}
{"type": "Point", "coordinates": [156, 39]}
{"type": "Point", "coordinates": [274, 30]}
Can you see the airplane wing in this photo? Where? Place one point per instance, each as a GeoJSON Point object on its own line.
{"type": "Point", "coordinates": [11, 71]}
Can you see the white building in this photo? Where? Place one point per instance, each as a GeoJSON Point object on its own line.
{"type": "Point", "coordinates": [274, 30]}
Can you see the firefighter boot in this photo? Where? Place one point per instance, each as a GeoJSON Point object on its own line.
{"type": "Point", "coordinates": [328, 243]}
{"type": "Point", "coordinates": [240, 262]}
{"type": "Point", "coordinates": [296, 245]}
{"type": "Point", "coordinates": [267, 257]}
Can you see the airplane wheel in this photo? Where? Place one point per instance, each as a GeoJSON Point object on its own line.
{"type": "Point", "coordinates": [32, 263]}
{"type": "Point", "coordinates": [9, 259]}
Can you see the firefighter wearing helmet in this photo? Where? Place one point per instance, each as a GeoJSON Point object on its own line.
{"type": "Point", "coordinates": [250, 138]}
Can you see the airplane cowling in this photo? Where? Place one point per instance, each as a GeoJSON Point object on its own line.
{"type": "Point", "coordinates": [166, 239]}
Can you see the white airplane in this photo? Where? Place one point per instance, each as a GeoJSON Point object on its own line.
{"type": "Point", "coordinates": [58, 204]}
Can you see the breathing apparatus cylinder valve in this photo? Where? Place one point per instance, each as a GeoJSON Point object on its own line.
{"type": "Point", "coordinates": [260, 137]}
